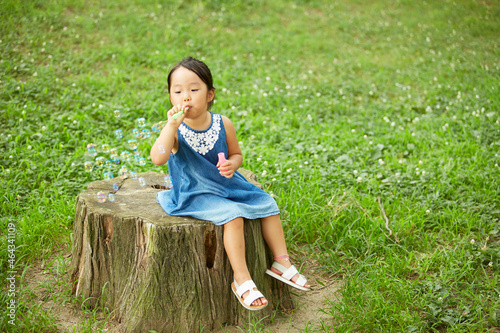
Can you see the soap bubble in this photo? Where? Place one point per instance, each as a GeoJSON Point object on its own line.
{"type": "Point", "coordinates": [108, 164]}
{"type": "Point", "coordinates": [123, 170]}
{"type": "Point", "coordinates": [132, 143]}
{"type": "Point", "coordinates": [108, 175]}
{"type": "Point", "coordinates": [88, 166]}
{"type": "Point", "coordinates": [92, 150]}
{"type": "Point", "coordinates": [116, 187]}
{"type": "Point", "coordinates": [119, 134]}
{"type": "Point", "coordinates": [141, 122]}
{"type": "Point", "coordinates": [99, 161]}
{"type": "Point", "coordinates": [141, 161]}
{"type": "Point", "coordinates": [125, 155]}
{"type": "Point", "coordinates": [155, 128]}
{"type": "Point", "coordinates": [142, 181]}
{"type": "Point", "coordinates": [136, 132]}
{"type": "Point", "coordinates": [105, 148]}
{"type": "Point", "coordinates": [113, 151]}
{"type": "Point", "coordinates": [137, 156]}
{"type": "Point", "coordinates": [115, 159]}
{"type": "Point", "coordinates": [111, 197]}
{"type": "Point", "coordinates": [133, 174]}
{"type": "Point", "coordinates": [101, 197]}
{"type": "Point", "coordinates": [117, 113]}
{"type": "Point", "coordinates": [161, 148]}
{"type": "Point", "coordinates": [146, 133]}
{"type": "Point", "coordinates": [168, 181]}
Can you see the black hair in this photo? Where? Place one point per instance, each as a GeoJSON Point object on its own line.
{"type": "Point", "coordinates": [200, 69]}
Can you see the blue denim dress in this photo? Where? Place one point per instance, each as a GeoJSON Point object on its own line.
{"type": "Point", "coordinates": [199, 189]}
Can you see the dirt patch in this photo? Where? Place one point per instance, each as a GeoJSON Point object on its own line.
{"type": "Point", "coordinates": [49, 289]}
{"type": "Point", "coordinates": [308, 313]}
{"type": "Point", "coordinates": [47, 283]}
{"type": "Point", "coordinates": [312, 307]}
{"type": "Point", "coordinates": [42, 280]}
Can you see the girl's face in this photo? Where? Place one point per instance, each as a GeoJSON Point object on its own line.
{"type": "Point", "coordinates": [187, 89]}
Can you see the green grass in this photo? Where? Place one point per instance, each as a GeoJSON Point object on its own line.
{"type": "Point", "coordinates": [335, 104]}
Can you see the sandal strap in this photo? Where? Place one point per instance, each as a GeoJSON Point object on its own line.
{"type": "Point", "coordinates": [252, 296]}
{"type": "Point", "coordinates": [245, 286]}
{"type": "Point", "coordinates": [290, 273]}
{"type": "Point", "coordinates": [279, 267]}
{"type": "Point", "coordinates": [301, 281]}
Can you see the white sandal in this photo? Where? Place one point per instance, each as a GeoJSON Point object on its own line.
{"type": "Point", "coordinates": [287, 275]}
{"type": "Point", "coordinates": [251, 297]}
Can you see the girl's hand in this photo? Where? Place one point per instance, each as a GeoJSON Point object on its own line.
{"type": "Point", "coordinates": [170, 114]}
{"type": "Point", "coordinates": [227, 169]}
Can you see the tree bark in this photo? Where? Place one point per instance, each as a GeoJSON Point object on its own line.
{"type": "Point", "coordinates": [159, 272]}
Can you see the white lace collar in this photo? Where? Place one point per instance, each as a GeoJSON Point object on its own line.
{"type": "Point", "coordinates": [202, 141]}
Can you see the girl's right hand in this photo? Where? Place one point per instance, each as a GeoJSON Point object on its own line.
{"type": "Point", "coordinates": [170, 114]}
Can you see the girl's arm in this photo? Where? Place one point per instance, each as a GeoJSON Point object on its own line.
{"type": "Point", "coordinates": [235, 157]}
{"type": "Point", "coordinates": [167, 141]}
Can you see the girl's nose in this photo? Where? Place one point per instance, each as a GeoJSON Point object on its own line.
{"type": "Point", "coordinates": [187, 97]}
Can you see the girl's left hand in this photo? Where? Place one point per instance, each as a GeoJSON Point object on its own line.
{"type": "Point", "coordinates": [227, 169]}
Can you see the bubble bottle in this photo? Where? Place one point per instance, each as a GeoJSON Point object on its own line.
{"type": "Point", "coordinates": [222, 160]}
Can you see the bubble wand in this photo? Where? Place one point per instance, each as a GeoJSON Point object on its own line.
{"type": "Point", "coordinates": [175, 116]}
{"type": "Point", "coordinates": [162, 123]}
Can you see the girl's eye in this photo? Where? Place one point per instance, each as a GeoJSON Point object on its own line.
{"type": "Point", "coordinates": [177, 92]}
{"type": "Point", "coordinates": [195, 89]}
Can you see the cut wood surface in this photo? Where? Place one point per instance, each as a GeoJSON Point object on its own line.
{"type": "Point", "coordinates": [159, 272]}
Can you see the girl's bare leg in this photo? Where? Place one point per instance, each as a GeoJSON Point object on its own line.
{"type": "Point", "coordinates": [272, 230]}
{"type": "Point", "coordinates": [234, 243]}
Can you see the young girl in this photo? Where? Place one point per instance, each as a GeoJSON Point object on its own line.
{"type": "Point", "coordinates": [208, 190]}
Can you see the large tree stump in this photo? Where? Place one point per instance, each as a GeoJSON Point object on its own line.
{"type": "Point", "coordinates": [160, 272]}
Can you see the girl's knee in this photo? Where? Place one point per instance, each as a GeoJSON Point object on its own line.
{"type": "Point", "coordinates": [236, 223]}
{"type": "Point", "coordinates": [272, 218]}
